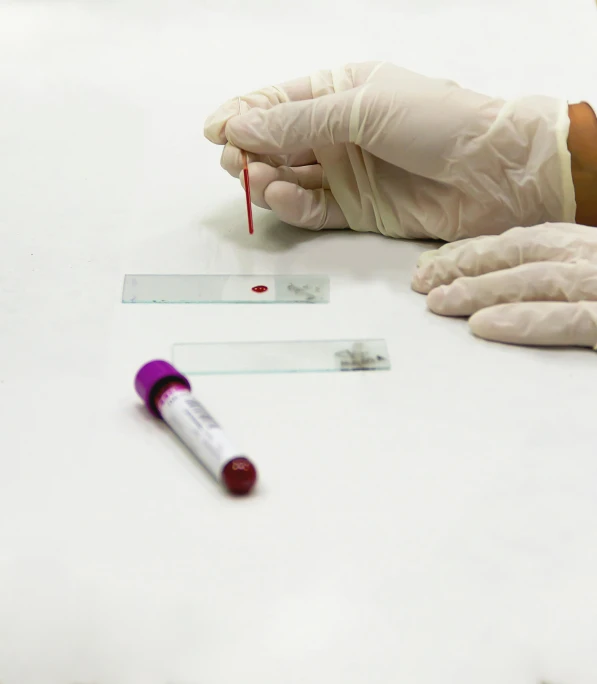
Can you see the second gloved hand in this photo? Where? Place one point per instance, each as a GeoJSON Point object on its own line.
{"type": "Point", "coordinates": [533, 286]}
{"type": "Point", "coordinates": [378, 148]}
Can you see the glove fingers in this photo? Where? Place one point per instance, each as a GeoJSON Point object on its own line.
{"type": "Point", "coordinates": [262, 175]}
{"type": "Point", "coordinates": [233, 162]}
{"type": "Point", "coordinates": [543, 323]}
{"type": "Point", "coordinates": [472, 257]}
{"type": "Point", "coordinates": [530, 282]}
{"type": "Point", "coordinates": [444, 250]}
{"type": "Point", "coordinates": [476, 256]}
{"type": "Point", "coordinates": [313, 209]}
{"type": "Point", "coordinates": [294, 126]}
{"type": "Point", "coordinates": [265, 98]}
{"type": "Point", "coordinates": [296, 90]}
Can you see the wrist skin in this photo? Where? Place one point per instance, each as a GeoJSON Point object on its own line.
{"type": "Point", "coordinates": [582, 145]}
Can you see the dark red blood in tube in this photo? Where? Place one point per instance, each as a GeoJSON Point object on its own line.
{"type": "Point", "coordinates": [239, 475]}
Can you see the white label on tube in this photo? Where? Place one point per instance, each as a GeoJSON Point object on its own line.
{"type": "Point", "coordinates": [194, 425]}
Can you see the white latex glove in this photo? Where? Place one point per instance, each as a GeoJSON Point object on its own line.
{"type": "Point", "coordinates": [374, 147]}
{"type": "Point", "coordinates": [528, 286]}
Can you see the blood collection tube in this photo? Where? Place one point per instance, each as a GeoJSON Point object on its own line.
{"type": "Point", "coordinates": [167, 394]}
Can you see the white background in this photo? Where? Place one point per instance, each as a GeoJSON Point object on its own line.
{"type": "Point", "coordinates": [432, 524]}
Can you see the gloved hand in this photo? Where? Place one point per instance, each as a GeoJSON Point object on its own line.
{"type": "Point", "coordinates": [528, 286]}
{"type": "Point", "coordinates": [374, 147]}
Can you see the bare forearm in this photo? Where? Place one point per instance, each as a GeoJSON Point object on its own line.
{"type": "Point", "coordinates": [582, 143]}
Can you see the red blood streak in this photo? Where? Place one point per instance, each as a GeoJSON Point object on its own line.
{"type": "Point", "coordinates": [248, 196]}
{"type": "Point", "coordinates": [259, 288]}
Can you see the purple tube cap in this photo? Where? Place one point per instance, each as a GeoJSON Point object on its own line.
{"type": "Point", "coordinates": [153, 376]}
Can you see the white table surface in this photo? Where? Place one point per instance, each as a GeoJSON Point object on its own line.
{"type": "Point", "coordinates": [436, 523]}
